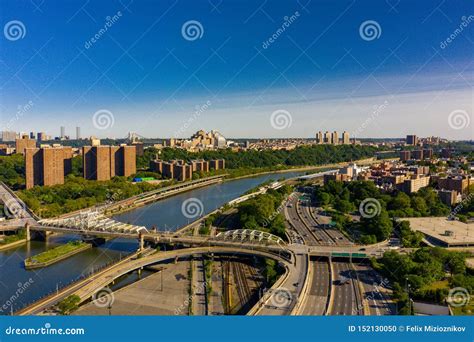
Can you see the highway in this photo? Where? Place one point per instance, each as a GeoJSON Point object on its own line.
{"type": "Point", "coordinates": [333, 234]}
{"type": "Point", "coordinates": [323, 236]}
{"type": "Point", "coordinates": [281, 299]}
{"type": "Point", "coordinates": [292, 215]}
{"type": "Point", "coordinates": [317, 297]}
{"type": "Point", "coordinates": [347, 297]}
{"type": "Point", "coordinates": [375, 292]}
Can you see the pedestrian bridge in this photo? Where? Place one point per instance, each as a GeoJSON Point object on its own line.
{"type": "Point", "coordinates": [93, 222]}
{"type": "Point", "coordinates": [249, 235]}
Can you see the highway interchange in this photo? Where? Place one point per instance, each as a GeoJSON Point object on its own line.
{"type": "Point", "coordinates": [336, 286]}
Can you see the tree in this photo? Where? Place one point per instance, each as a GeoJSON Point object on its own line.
{"type": "Point", "coordinates": [69, 304]}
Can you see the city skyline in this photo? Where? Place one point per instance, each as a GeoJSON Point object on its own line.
{"type": "Point", "coordinates": [148, 76]}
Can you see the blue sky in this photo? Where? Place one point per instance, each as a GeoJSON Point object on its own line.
{"type": "Point", "coordinates": [320, 69]}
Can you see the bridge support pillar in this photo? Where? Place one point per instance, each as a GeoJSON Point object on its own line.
{"type": "Point", "coordinates": [28, 232]}
{"type": "Point", "coordinates": [142, 242]}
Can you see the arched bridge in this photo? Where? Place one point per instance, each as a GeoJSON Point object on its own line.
{"type": "Point", "coordinates": [93, 222]}
{"type": "Point", "coordinates": [249, 235]}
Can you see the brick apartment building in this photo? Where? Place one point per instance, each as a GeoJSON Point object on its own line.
{"type": "Point", "coordinates": [23, 143]}
{"type": "Point", "coordinates": [47, 166]}
{"type": "Point", "coordinates": [104, 162]}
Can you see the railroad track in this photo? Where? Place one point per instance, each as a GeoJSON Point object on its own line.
{"type": "Point", "coordinates": [243, 288]}
{"type": "Point", "coordinates": [227, 288]}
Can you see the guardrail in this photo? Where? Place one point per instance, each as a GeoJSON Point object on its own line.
{"type": "Point", "coordinates": [307, 282]}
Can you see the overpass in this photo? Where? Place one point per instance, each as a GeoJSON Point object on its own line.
{"type": "Point", "coordinates": [15, 209]}
{"type": "Point", "coordinates": [86, 288]}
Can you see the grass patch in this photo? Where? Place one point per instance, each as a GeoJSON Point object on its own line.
{"type": "Point", "coordinates": [56, 252]}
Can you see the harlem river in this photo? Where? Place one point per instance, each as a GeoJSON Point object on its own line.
{"type": "Point", "coordinates": [19, 287]}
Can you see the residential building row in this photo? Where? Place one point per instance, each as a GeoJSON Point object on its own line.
{"type": "Point", "coordinates": [179, 170]}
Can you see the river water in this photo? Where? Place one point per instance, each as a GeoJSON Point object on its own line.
{"type": "Point", "coordinates": [19, 287]}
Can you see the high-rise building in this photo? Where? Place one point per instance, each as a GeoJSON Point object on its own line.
{"type": "Point", "coordinates": [417, 154]}
{"type": "Point", "coordinates": [446, 153]}
{"type": "Point", "coordinates": [104, 162]}
{"type": "Point", "coordinates": [24, 142]}
{"type": "Point", "coordinates": [200, 165]}
{"type": "Point", "coordinates": [217, 164]}
{"type": "Point", "coordinates": [47, 166]}
{"type": "Point", "coordinates": [405, 155]}
{"type": "Point", "coordinates": [334, 138]}
{"type": "Point", "coordinates": [428, 153]}
{"type": "Point", "coordinates": [456, 183]}
{"type": "Point", "coordinates": [345, 138]}
{"type": "Point", "coordinates": [319, 138]}
{"type": "Point", "coordinates": [63, 132]}
{"type": "Point", "coordinates": [78, 133]}
{"type": "Point", "coordinates": [416, 183]}
{"type": "Point", "coordinates": [139, 148]}
{"type": "Point", "coordinates": [41, 136]}
{"type": "Point", "coordinates": [8, 136]}
{"type": "Point", "coordinates": [32, 135]}
{"type": "Point", "coordinates": [412, 140]}
{"type": "Point", "coordinates": [327, 138]}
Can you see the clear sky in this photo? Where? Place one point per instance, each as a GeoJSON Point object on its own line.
{"type": "Point", "coordinates": [320, 71]}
